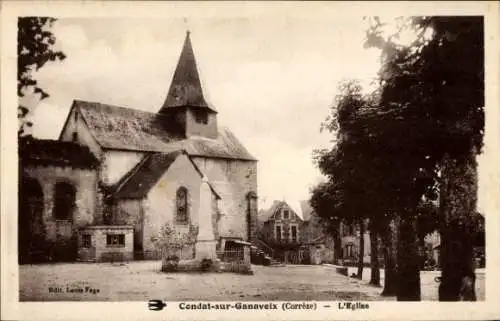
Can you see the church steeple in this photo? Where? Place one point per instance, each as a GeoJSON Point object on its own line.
{"type": "Point", "coordinates": [185, 89]}
{"type": "Point", "coordinates": [185, 111]}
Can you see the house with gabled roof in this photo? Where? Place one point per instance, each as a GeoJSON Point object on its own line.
{"type": "Point", "coordinates": [147, 172]}
{"type": "Point", "coordinates": [294, 233]}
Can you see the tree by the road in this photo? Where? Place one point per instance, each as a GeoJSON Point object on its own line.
{"type": "Point", "coordinates": [434, 90]}
{"type": "Point", "coordinates": [374, 265]}
{"type": "Point", "coordinates": [355, 171]}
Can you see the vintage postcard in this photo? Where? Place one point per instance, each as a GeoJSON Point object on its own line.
{"type": "Point", "coordinates": [250, 160]}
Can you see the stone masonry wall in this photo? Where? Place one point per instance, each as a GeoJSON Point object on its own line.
{"type": "Point", "coordinates": [115, 164]}
{"type": "Point", "coordinates": [160, 203]}
{"type": "Point", "coordinates": [105, 252]}
{"type": "Point", "coordinates": [85, 183]}
{"type": "Point", "coordinates": [193, 128]}
{"type": "Point", "coordinates": [233, 180]}
{"type": "Point", "coordinates": [75, 124]}
{"type": "Point", "coordinates": [130, 212]}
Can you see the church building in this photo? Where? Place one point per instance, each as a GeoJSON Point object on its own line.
{"type": "Point", "coordinates": [117, 176]}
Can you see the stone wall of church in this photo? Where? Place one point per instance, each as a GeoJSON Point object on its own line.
{"type": "Point", "coordinates": [115, 164]}
{"type": "Point", "coordinates": [160, 204]}
{"type": "Point", "coordinates": [85, 210]}
{"type": "Point", "coordinates": [77, 131]}
{"type": "Point", "coordinates": [130, 212]}
{"type": "Point", "coordinates": [194, 128]}
{"type": "Point", "coordinates": [233, 180]}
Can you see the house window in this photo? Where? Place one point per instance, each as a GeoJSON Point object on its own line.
{"type": "Point", "coordinates": [294, 234]}
{"type": "Point", "coordinates": [348, 250]}
{"type": "Point", "coordinates": [201, 116]}
{"type": "Point", "coordinates": [86, 241]}
{"type": "Point", "coordinates": [182, 206]}
{"type": "Point", "coordinates": [74, 137]}
{"type": "Point", "coordinates": [278, 233]}
{"type": "Point", "coordinates": [115, 240]}
{"type": "Point", "coordinates": [286, 215]}
{"type": "Point", "coordinates": [64, 201]}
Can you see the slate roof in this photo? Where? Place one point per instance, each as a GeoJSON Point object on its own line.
{"type": "Point", "coordinates": [303, 209]}
{"type": "Point", "coordinates": [54, 152]}
{"type": "Point", "coordinates": [186, 89]}
{"type": "Point", "coordinates": [265, 215]}
{"type": "Point", "coordinates": [139, 181]}
{"type": "Point", "coordinates": [116, 127]}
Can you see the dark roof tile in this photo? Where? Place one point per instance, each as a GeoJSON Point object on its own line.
{"type": "Point", "coordinates": [123, 128]}
{"type": "Point", "coordinates": [186, 89]}
{"type": "Point", "coordinates": [139, 181]}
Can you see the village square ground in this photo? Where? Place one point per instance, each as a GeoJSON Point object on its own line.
{"type": "Point", "coordinates": [140, 281]}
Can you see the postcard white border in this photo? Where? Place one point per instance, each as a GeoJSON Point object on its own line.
{"type": "Point", "coordinates": [10, 10]}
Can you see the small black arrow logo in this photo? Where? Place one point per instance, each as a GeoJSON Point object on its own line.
{"type": "Point", "coordinates": [156, 305]}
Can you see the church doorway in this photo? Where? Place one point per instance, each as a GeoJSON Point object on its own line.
{"type": "Point", "coordinates": [31, 230]}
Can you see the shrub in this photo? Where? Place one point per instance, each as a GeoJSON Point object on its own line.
{"type": "Point", "coordinates": [171, 242]}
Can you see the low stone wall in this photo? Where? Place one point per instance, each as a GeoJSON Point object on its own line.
{"type": "Point", "coordinates": [115, 256]}
{"type": "Point", "coordinates": [236, 267]}
{"type": "Point", "coordinates": [217, 266]}
{"type": "Point", "coordinates": [344, 270]}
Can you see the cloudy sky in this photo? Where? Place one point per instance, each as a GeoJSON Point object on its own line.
{"type": "Point", "coordinates": [272, 80]}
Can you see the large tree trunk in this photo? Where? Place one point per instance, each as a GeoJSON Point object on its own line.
{"type": "Point", "coordinates": [390, 239]}
{"type": "Point", "coordinates": [361, 248]}
{"type": "Point", "coordinates": [457, 209]}
{"type": "Point", "coordinates": [337, 243]}
{"type": "Point", "coordinates": [408, 260]}
{"type": "Point", "coordinates": [375, 268]}
{"type": "Point", "coordinates": [337, 251]}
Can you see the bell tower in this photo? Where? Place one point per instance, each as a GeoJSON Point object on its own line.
{"type": "Point", "coordinates": [185, 111]}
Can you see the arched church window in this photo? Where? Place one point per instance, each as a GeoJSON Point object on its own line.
{"type": "Point", "coordinates": [182, 205]}
{"type": "Point", "coordinates": [64, 201]}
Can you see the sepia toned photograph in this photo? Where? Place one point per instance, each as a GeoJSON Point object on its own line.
{"type": "Point", "coordinates": [255, 159]}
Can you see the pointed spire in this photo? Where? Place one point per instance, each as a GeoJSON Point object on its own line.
{"type": "Point", "coordinates": [185, 89]}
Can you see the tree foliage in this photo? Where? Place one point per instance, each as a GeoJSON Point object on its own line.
{"type": "Point", "coordinates": [433, 91]}
{"type": "Point", "coordinates": [390, 144]}
{"type": "Point", "coordinates": [434, 85]}
{"type": "Point", "coordinates": [347, 164]}
{"type": "Point", "coordinates": [35, 47]}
